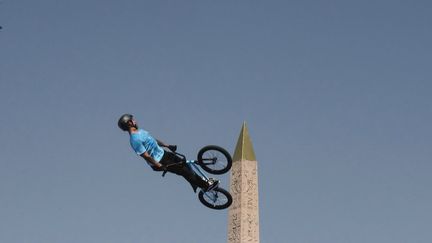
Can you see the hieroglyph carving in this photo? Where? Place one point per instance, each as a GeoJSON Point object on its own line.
{"type": "Point", "coordinates": [243, 215]}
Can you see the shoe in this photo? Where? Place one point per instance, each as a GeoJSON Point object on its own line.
{"type": "Point", "coordinates": [212, 184]}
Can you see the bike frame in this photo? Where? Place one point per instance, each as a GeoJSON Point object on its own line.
{"type": "Point", "coordinates": [193, 165]}
{"type": "Point", "coordinates": [216, 198]}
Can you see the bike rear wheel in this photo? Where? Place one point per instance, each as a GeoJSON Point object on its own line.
{"type": "Point", "coordinates": [217, 198]}
{"type": "Point", "coordinates": [214, 159]}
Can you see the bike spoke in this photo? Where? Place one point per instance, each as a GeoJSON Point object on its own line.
{"type": "Point", "coordinates": [212, 161]}
{"type": "Point", "coordinates": [214, 198]}
{"type": "Point", "coordinates": [215, 161]}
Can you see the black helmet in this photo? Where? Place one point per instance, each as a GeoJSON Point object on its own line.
{"type": "Point", "coordinates": [123, 121]}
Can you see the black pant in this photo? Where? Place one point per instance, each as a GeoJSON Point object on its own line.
{"type": "Point", "coordinates": [181, 169]}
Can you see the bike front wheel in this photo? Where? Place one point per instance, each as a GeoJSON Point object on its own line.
{"type": "Point", "coordinates": [217, 198]}
{"type": "Point", "coordinates": [214, 159]}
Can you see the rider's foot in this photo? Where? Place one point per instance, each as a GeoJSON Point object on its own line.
{"type": "Point", "coordinates": [212, 184]}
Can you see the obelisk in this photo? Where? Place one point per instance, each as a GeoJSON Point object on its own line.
{"type": "Point", "coordinates": [243, 215]}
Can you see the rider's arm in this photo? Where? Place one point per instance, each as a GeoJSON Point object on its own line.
{"type": "Point", "coordinates": [150, 159]}
{"type": "Point", "coordinates": [173, 148]}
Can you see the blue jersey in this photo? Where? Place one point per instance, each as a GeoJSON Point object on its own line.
{"type": "Point", "coordinates": [142, 142]}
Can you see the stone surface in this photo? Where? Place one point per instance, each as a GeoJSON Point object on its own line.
{"type": "Point", "coordinates": [243, 215]}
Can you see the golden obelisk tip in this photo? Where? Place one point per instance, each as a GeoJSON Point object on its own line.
{"type": "Point", "coordinates": [244, 149]}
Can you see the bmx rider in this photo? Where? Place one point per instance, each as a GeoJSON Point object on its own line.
{"type": "Point", "coordinates": [159, 159]}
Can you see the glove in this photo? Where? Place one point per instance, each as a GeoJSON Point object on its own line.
{"type": "Point", "coordinates": [172, 147]}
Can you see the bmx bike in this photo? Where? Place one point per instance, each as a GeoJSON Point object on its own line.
{"type": "Point", "coordinates": [214, 160]}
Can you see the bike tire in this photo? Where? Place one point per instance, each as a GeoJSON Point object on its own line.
{"type": "Point", "coordinates": [217, 198]}
{"type": "Point", "coordinates": [214, 159]}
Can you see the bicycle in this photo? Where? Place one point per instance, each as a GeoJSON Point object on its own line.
{"type": "Point", "coordinates": [215, 160]}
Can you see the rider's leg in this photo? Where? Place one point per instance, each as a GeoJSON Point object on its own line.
{"type": "Point", "coordinates": [190, 175]}
{"type": "Point", "coordinates": [183, 170]}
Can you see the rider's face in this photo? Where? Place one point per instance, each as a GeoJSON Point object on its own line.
{"type": "Point", "coordinates": [133, 123]}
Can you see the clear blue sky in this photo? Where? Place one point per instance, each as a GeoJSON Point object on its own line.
{"type": "Point", "coordinates": [336, 94]}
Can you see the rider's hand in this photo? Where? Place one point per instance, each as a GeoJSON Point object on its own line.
{"type": "Point", "coordinates": [159, 167]}
{"type": "Point", "coordinates": [172, 147]}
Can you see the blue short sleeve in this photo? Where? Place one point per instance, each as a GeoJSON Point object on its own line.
{"type": "Point", "coordinates": [138, 147]}
{"type": "Point", "coordinates": [142, 142]}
